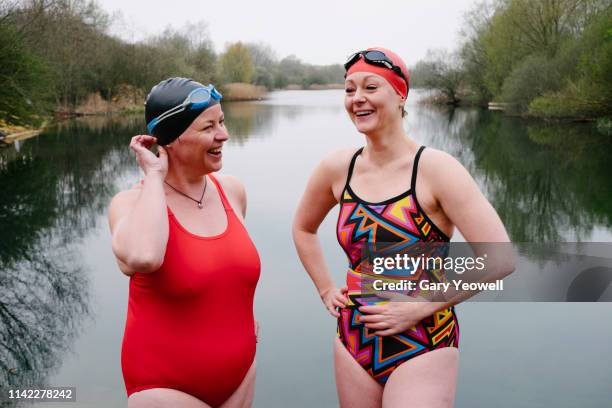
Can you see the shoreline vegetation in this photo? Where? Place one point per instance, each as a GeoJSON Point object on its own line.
{"type": "Point", "coordinates": [59, 59]}
{"type": "Point", "coordinates": [536, 59]}
{"type": "Point", "coordinates": [544, 59]}
{"type": "Point", "coordinates": [130, 101]}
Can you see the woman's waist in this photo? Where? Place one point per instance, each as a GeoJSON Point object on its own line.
{"type": "Point", "coordinates": [352, 313]}
{"type": "Point", "coordinates": [204, 334]}
{"type": "Point", "coordinates": [204, 309]}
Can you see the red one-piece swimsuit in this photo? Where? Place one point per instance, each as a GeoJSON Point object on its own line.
{"type": "Point", "coordinates": [190, 324]}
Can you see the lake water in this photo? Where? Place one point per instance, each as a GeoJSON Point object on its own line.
{"type": "Point", "coordinates": [63, 300]}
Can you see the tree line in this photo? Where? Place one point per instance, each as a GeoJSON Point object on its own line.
{"type": "Point", "coordinates": [549, 58]}
{"type": "Point", "coordinates": [53, 53]}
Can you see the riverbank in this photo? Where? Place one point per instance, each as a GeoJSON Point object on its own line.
{"type": "Point", "coordinates": [126, 100]}
{"type": "Point", "coordinates": [11, 133]}
{"type": "Point", "coordinates": [239, 91]}
{"type": "Point", "coordinates": [466, 99]}
{"type": "Point", "coordinates": [463, 99]}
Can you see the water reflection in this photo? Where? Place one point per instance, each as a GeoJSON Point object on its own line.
{"type": "Point", "coordinates": [258, 119]}
{"type": "Point", "coordinates": [248, 119]}
{"type": "Point", "coordinates": [548, 182]}
{"type": "Point", "coordinates": [53, 189]}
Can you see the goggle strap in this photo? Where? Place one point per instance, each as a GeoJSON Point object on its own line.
{"type": "Point", "coordinates": [212, 94]}
{"type": "Point", "coordinates": [170, 112]}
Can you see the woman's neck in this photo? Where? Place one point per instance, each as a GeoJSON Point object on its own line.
{"type": "Point", "coordinates": [387, 145]}
{"type": "Point", "coordinates": [184, 177]}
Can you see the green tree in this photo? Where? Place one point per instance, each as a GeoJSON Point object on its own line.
{"type": "Point", "coordinates": [476, 22]}
{"type": "Point", "coordinates": [22, 78]}
{"type": "Point", "coordinates": [520, 28]}
{"type": "Point", "coordinates": [587, 92]}
{"type": "Point", "coordinates": [533, 76]}
{"type": "Point", "coordinates": [292, 69]}
{"type": "Point", "coordinates": [236, 64]}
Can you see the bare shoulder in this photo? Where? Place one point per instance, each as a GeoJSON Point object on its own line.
{"type": "Point", "coordinates": [338, 160]}
{"type": "Point", "coordinates": [437, 155]}
{"type": "Point", "coordinates": [232, 185]}
{"type": "Point", "coordinates": [446, 178]}
{"type": "Point", "coordinates": [440, 165]}
{"type": "Point", "coordinates": [330, 174]}
{"type": "Point", "coordinates": [234, 190]}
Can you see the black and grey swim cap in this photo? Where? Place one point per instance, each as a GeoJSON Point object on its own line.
{"type": "Point", "coordinates": [166, 95]}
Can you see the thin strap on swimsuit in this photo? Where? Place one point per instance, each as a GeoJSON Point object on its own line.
{"type": "Point", "coordinates": [224, 201]}
{"type": "Point", "coordinates": [415, 167]}
{"type": "Point", "coordinates": [352, 166]}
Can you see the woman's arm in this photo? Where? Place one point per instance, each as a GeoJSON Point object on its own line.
{"type": "Point", "coordinates": [468, 209]}
{"type": "Point", "coordinates": [460, 198]}
{"type": "Point", "coordinates": [317, 201]}
{"type": "Point", "coordinates": [138, 218]}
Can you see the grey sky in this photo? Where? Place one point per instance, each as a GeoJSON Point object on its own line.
{"type": "Point", "coordinates": [316, 31]}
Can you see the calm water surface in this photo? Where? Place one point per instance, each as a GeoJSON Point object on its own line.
{"type": "Point", "coordinates": [63, 300]}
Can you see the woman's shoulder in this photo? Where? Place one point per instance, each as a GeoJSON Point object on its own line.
{"type": "Point", "coordinates": [442, 167]}
{"type": "Point", "coordinates": [230, 184]}
{"type": "Point", "coordinates": [440, 156]}
{"type": "Point", "coordinates": [338, 161]}
{"type": "Point", "coordinates": [234, 190]}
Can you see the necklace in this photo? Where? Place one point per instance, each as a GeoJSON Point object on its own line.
{"type": "Point", "coordinates": [199, 202]}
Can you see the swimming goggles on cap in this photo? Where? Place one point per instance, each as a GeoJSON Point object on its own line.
{"type": "Point", "coordinates": [374, 57]}
{"type": "Point", "coordinates": [199, 98]}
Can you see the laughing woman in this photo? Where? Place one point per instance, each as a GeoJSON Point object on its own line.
{"type": "Point", "coordinates": [390, 190]}
{"type": "Point", "coordinates": [189, 341]}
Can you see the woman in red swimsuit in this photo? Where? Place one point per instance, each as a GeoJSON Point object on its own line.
{"type": "Point", "coordinates": [190, 337]}
{"type": "Point", "coordinates": [391, 354]}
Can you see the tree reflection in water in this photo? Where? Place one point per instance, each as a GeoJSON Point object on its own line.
{"type": "Point", "coordinates": [548, 182]}
{"type": "Point", "coordinates": [545, 181]}
{"type": "Point", "coordinates": [54, 189]}
{"type": "Point", "coordinates": [248, 120]}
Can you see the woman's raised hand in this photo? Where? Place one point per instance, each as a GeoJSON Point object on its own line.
{"type": "Point", "coordinates": [148, 162]}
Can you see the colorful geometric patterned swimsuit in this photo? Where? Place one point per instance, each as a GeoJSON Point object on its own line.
{"type": "Point", "coordinates": [399, 220]}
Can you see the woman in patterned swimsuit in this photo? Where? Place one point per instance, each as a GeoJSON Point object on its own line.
{"type": "Point", "coordinates": [376, 187]}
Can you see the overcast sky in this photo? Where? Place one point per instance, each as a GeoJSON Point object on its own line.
{"type": "Point", "coordinates": [316, 31]}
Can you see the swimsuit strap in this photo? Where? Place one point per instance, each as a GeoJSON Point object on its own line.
{"type": "Point", "coordinates": [351, 167]}
{"type": "Point", "coordinates": [224, 201]}
{"type": "Point", "coordinates": [415, 167]}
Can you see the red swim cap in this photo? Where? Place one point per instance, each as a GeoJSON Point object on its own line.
{"type": "Point", "coordinates": [397, 82]}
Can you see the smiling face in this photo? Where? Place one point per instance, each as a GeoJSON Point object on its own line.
{"type": "Point", "coordinates": [201, 145]}
{"type": "Point", "coordinates": [371, 102]}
